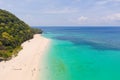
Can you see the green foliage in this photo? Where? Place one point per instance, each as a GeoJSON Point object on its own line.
{"type": "Point", "coordinates": [13, 32]}
{"type": "Point", "coordinates": [36, 30]}
{"type": "Point", "coordinates": [0, 43]}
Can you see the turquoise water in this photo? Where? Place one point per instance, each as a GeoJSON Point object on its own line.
{"type": "Point", "coordinates": [84, 53]}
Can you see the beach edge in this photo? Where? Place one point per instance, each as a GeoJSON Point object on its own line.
{"type": "Point", "coordinates": [26, 65]}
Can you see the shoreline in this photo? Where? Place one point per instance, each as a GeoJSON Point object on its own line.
{"type": "Point", "coordinates": [26, 65]}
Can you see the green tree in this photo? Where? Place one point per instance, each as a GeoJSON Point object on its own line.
{"type": "Point", "coordinates": [13, 32]}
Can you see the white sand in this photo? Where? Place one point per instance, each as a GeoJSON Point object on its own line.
{"type": "Point", "coordinates": [26, 65]}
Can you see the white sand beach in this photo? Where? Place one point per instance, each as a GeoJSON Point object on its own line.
{"type": "Point", "coordinates": [25, 66]}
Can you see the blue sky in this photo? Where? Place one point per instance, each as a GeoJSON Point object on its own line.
{"type": "Point", "coordinates": [65, 12]}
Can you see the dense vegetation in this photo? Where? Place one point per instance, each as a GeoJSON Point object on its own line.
{"type": "Point", "coordinates": [13, 32]}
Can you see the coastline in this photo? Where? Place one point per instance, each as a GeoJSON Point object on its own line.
{"type": "Point", "coordinates": [26, 65]}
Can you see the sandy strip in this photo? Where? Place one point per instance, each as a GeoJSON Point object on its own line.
{"type": "Point", "coordinates": [26, 65]}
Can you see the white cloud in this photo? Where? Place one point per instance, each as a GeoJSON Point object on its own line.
{"type": "Point", "coordinates": [102, 2]}
{"type": "Point", "coordinates": [113, 17]}
{"type": "Point", "coordinates": [97, 20]}
{"type": "Point", "coordinates": [82, 18]}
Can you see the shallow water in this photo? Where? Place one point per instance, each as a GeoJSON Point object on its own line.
{"type": "Point", "coordinates": [83, 53]}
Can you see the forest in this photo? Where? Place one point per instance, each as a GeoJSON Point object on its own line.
{"type": "Point", "coordinates": [13, 32]}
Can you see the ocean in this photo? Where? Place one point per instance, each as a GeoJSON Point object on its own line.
{"type": "Point", "coordinates": [83, 53]}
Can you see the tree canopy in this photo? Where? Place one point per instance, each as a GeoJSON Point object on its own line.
{"type": "Point", "coordinates": [13, 32]}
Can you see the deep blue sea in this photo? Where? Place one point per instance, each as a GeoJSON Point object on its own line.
{"type": "Point", "coordinates": [83, 53]}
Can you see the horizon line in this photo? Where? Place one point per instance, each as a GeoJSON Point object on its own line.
{"type": "Point", "coordinates": [78, 26]}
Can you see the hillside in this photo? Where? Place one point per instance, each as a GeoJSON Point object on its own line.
{"type": "Point", "coordinates": [13, 32]}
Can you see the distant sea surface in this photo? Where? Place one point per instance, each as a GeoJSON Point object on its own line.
{"type": "Point", "coordinates": [83, 53]}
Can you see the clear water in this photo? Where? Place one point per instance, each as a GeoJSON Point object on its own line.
{"type": "Point", "coordinates": [83, 53]}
